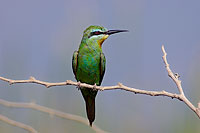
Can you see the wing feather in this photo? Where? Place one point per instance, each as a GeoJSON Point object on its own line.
{"type": "Point", "coordinates": [75, 62]}
{"type": "Point", "coordinates": [102, 67]}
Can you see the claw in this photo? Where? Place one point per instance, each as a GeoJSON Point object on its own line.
{"type": "Point", "coordinates": [95, 87]}
{"type": "Point", "coordinates": [78, 85]}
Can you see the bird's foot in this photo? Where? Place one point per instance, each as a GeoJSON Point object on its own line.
{"type": "Point", "coordinates": [78, 85]}
{"type": "Point", "coordinates": [95, 87]}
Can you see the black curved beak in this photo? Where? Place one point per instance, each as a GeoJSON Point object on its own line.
{"type": "Point", "coordinates": [110, 32]}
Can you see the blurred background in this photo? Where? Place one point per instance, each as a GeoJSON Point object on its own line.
{"type": "Point", "coordinates": [38, 38]}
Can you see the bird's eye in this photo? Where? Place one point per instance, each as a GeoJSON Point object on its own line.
{"type": "Point", "coordinates": [96, 33]}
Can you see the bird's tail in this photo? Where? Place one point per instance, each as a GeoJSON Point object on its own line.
{"type": "Point", "coordinates": [89, 97]}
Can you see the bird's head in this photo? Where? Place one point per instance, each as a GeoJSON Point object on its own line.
{"type": "Point", "coordinates": [98, 34]}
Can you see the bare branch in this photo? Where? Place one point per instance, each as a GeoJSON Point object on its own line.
{"type": "Point", "coordinates": [17, 124]}
{"type": "Point", "coordinates": [51, 112]}
{"type": "Point", "coordinates": [101, 88]}
{"type": "Point", "coordinates": [170, 73]}
{"type": "Point", "coordinates": [174, 77]}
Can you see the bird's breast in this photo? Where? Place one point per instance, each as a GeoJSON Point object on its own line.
{"type": "Point", "coordinates": [89, 68]}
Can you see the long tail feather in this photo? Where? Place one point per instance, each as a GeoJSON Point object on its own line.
{"type": "Point", "coordinates": [90, 108]}
{"type": "Point", "coordinates": [89, 97]}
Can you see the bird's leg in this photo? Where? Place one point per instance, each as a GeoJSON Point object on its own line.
{"type": "Point", "coordinates": [78, 85]}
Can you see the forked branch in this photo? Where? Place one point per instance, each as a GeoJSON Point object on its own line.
{"type": "Point", "coordinates": [177, 81]}
{"type": "Point", "coordinates": [175, 77]}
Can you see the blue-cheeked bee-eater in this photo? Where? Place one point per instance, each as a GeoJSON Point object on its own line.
{"type": "Point", "coordinates": [88, 64]}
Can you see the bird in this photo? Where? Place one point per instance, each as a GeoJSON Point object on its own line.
{"type": "Point", "coordinates": [89, 64]}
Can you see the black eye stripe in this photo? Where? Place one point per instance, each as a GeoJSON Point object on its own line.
{"type": "Point", "coordinates": [95, 33]}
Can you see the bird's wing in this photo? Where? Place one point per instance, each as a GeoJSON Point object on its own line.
{"type": "Point", "coordinates": [102, 67]}
{"type": "Point", "coordinates": [75, 62]}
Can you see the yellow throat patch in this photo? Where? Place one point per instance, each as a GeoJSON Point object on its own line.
{"type": "Point", "coordinates": [102, 40]}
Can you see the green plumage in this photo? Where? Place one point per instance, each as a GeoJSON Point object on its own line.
{"type": "Point", "coordinates": [88, 64]}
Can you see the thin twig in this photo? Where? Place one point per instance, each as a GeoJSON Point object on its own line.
{"type": "Point", "coordinates": [51, 112]}
{"type": "Point", "coordinates": [176, 80]}
{"type": "Point", "coordinates": [17, 124]}
{"type": "Point", "coordinates": [173, 76]}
